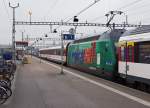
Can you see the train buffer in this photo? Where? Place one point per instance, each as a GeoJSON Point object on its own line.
{"type": "Point", "coordinates": [40, 85]}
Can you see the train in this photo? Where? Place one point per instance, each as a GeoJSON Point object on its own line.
{"type": "Point", "coordinates": [134, 56]}
{"type": "Point", "coordinates": [114, 54]}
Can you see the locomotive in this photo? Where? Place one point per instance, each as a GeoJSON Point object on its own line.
{"type": "Point", "coordinates": [98, 57]}
{"type": "Point", "coordinates": [113, 54]}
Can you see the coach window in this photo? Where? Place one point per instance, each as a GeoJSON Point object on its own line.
{"type": "Point", "coordinates": [50, 52]}
{"type": "Point", "coordinates": [130, 54]}
{"type": "Point", "coordinates": [122, 53]}
{"type": "Point", "coordinates": [54, 51]}
{"type": "Point", "coordinates": [144, 53]}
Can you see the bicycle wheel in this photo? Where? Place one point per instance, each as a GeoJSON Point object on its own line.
{"type": "Point", "coordinates": [3, 83]}
{"type": "Point", "coordinates": [8, 91]}
{"type": "Point", "coordinates": [8, 81]}
{"type": "Point", "coordinates": [3, 95]}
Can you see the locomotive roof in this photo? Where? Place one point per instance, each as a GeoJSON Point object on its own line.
{"type": "Point", "coordinates": [114, 34]}
{"type": "Point", "coordinates": [139, 30]}
{"type": "Point", "coordinates": [110, 34]}
{"type": "Point", "coordinates": [87, 39]}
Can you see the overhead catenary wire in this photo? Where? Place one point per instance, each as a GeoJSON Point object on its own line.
{"type": "Point", "coordinates": [137, 13]}
{"type": "Point", "coordinates": [52, 7]}
{"type": "Point", "coordinates": [83, 10]}
{"type": "Point", "coordinates": [145, 19]}
{"type": "Point", "coordinates": [137, 7]}
{"type": "Point", "coordinates": [141, 19]}
{"type": "Point", "coordinates": [120, 8]}
{"type": "Point", "coordinates": [80, 12]}
{"type": "Point", "coordinates": [129, 4]}
{"type": "Point", "coordinates": [97, 18]}
{"type": "Point", "coordinates": [140, 13]}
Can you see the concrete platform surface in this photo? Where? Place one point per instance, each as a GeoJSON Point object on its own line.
{"type": "Point", "coordinates": [40, 85]}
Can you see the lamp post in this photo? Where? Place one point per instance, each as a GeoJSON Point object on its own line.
{"type": "Point", "coordinates": [44, 40]}
{"type": "Point", "coordinates": [30, 13]}
{"type": "Point", "coordinates": [39, 48]}
{"type": "Point", "coordinates": [13, 32]}
{"type": "Point", "coordinates": [64, 37]}
{"type": "Point", "coordinates": [22, 43]}
{"type": "Point", "coordinates": [62, 51]}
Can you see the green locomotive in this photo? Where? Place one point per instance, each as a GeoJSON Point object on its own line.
{"type": "Point", "coordinates": [97, 56]}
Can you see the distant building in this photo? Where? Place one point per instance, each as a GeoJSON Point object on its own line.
{"type": "Point", "coordinates": [5, 51]}
{"type": "Point", "coordinates": [5, 46]}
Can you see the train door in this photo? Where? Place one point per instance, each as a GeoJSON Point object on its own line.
{"type": "Point", "coordinates": [130, 55]}
{"type": "Point", "coordinates": [122, 63]}
{"type": "Point", "coordinates": [126, 58]}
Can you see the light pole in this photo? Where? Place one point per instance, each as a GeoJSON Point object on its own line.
{"type": "Point", "coordinates": [13, 32]}
{"type": "Point", "coordinates": [64, 37]}
{"type": "Point", "coordinates": [30, 13]}
{"type": "Point", "coordinates": [38, 42]}
{"type": "Point", "coordinates": [28, 43]}
{"type": "Point", "coordinates": [22, 38]}
{"type": "Point", "coordinates": [62, 51]}
{"type": "Point", "coordinates": [22, 43]}
{"type": "Point", "coordinates": [44, 41]}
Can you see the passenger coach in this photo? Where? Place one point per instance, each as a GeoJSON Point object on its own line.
{"type": "Point", "coordinates": [53, 54]}
{"type": "Point", "coordinates": [134, 56]}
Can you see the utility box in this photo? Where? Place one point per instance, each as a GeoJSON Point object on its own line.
{"type": "Point", "coordinates": [27, 60]}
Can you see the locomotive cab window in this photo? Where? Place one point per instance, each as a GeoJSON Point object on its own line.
{"type": "Point", "coordinates": [144, 52]}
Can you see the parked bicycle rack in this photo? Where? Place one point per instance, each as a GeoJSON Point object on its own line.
{"type": "Point", "coordinates": [7, 71]}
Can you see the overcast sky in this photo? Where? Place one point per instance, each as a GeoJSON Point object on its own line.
{"type": "Point", "coordinates": [57, 10]}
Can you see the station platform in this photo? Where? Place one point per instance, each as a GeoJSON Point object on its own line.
{"type": "Point", "coordinates": [40, 85]}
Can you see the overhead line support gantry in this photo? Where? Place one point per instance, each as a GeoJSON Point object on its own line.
{"type": "Point", "coordinates": [75, 24]}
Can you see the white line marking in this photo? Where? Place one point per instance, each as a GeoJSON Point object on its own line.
{"type": "Point", "coordinates": [139, 100]}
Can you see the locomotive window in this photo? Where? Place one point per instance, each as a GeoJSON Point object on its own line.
{"type": "Point", "coordinates": [144, 53]}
